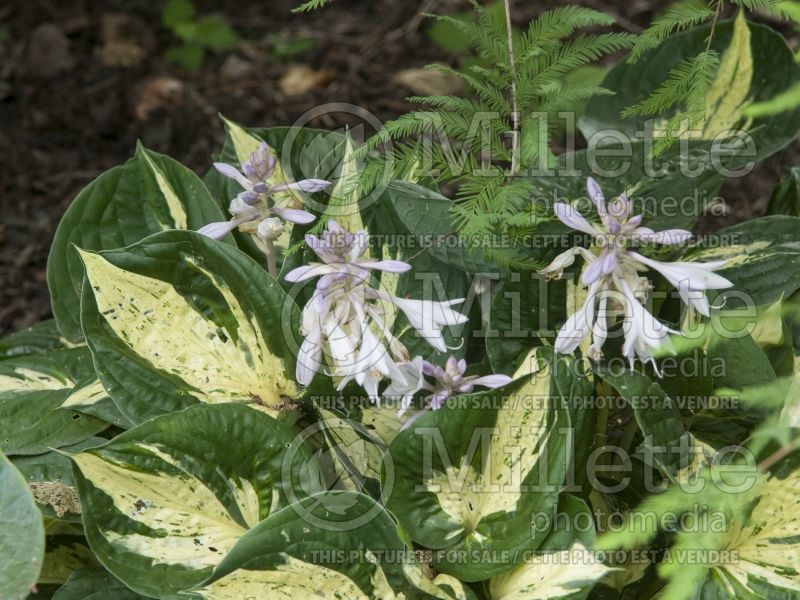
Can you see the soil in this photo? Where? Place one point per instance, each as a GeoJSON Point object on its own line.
{"type": "Point", "coordinates": [81, 81]}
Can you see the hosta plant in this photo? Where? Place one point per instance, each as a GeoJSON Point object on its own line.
{"type": "Point", "coordinates": [338, 370]}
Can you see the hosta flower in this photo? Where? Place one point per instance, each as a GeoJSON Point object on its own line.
{"type": "Point", "coordinates": [255, 209]}
{"type": "Point", "coordinates": [346, 317]}
{"type": "Point", "coordinates": [444, 383]}
{"type": "Point", "coordinates": [611, 275]}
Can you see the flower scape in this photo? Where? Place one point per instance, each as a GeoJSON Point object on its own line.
{"type": "Point", "coordinates": [333, 369]}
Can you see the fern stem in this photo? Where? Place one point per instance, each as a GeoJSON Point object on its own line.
{"type": "Point", "coordinates": [717, 11]}
{"type": "Point", "coordinates": [514, 103]}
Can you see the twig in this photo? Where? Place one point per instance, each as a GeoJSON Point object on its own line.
{"type": "Point", "coordinates": [765, 465]}
{"type": "Point", "coordinates": [515, 106]}
{"type": "Point", "coordinates": [717, 11]}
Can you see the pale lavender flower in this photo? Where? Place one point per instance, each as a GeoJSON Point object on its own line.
{"type": "Point", "coordinates": [445, 382]}
{"type": "Point", "coordinates": [611, 273]}
{"type": "Point", "coordinates": [255, 210]}
{"type": "Point", "coordinates": [347, 317]}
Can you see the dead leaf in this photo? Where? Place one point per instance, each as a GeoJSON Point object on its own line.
{"type": "Point", "coordinates": [159, 92]}
{"type": "Point", "coordinates": [427, 82]}
{"type": "Point", "coordinates": [300, 79]}
{"type": "Point", "coordinates": [126, 40]}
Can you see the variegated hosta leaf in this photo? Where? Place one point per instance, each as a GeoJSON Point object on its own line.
{"type": "Point", "coordinates": [763, 257]}
{"type": "Point", "coordinates": [38, 338]}
{"type": "Point", "coordinates": [33, 393]}
{"type": "Point", "coordinates": [329, 546]}
{"type": "Point", "coordinates": [164, 502]}
{"type": "Point", "coordinates": [179, 319]}
{"type": "Point", "coordinates": [94, 583]}
{"type": "Point", "coordinates": [729, 94]}
{"type": "Point", "coordinates": [756, 65]}
{"type": "Point", "coordinates": [766, 546]}
{"type": "Point", "coordinates": [559, 574]}
{"type": "Point", "coordinates": [562, 567]}
{"type": "Point", "coordinates": [343, 206]}
{"type": "Point", "coordinates": [469, 478]}
{"type": "Point", "coordinates": [354, 453]}
{"type": "Point", "coordinates": [657, 416]}
{"type": "Point", "coordinates": [21, 535]}
{"type": "Point", "coordinates": [149, 193]}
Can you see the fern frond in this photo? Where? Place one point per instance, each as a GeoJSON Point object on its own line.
{"type": "Point", "coordinates": [310, 5]}
{"type": "Point", "coordinates": [549, 69]}
{"type": "Point", "coordinates": [570, 94]}
{"type": "Point", "coordinates": [558, 23]}
{"type": "Point", "coordinates": [765, 5]}
{"type": "Point", "coordinates": [488, 86]}
{"type": "Point", "coordinates": [687, 83]}
{"type": "Point", "coordinates": [488, 202]}
{"type": "Point", "coordinates": [674, 20]}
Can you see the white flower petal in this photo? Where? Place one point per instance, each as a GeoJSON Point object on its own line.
{"type": "Point", "coordinates": [577, 326]}
{"type": "Point", "coordinates": [596, 195]}
{"type": "Point", "coordinates": [306, 185]}
{"type": "Point", "coordinates": [668, 237]}
{"type": "Point", "coordinates": [572, 218]}
{"type": "Point", "coordinates": [391, 266]}
{"type": "Point", "coordinates": [294, 215]}
{"type": "Point", "coordinates": [492, 381]}
{"type": "Point", "coordinates": [233, 173]}
{"type": "Point", "coordinates": [309, 272]}
{"type": "Point", "coordinates": [693, 275]}
{"type": "Point", "coordinates": [218, 230]}
{"type": "Point", "coordinates": [308, 360]}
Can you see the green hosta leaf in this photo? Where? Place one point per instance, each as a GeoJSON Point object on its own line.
{"type": "Point", "coordinates": [785, 200]}
{"type": "Point", "coordinates": [64, 554]}
{"type": "Point", "coordinates": [426, 215]}
{"type": "Point", "coordinates": [180, 319]}
{"type": "Point", "coordinates": [33, 393]}
{"type": "Point", "coordinates": [329, 546]}
{"type": "Point", "coordinates": [37, 338]}
{"type": "Point", "coordinates": [94, 583]}
{"type": "Point", "coordinates": [149, 193]}
{"type": "Point", "coordinates": [657, 416]}
{"type": "Point", "coordinates": [756, 66]}
{"type": "Point", "coordinates": [164, 502]}
{"type": "Point", "coordinates": [527, 309]}
{"type": "Point", "coordinates": [763, 257]}
{"type": "Point", "coordinates": [21, 534]}
{"type": "Point", "coordinates": [469, 478]}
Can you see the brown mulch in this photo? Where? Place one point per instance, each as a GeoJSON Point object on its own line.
{"type": "Point", "coordinates": [81, 81]}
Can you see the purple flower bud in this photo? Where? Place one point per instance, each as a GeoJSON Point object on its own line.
{"type": "Point", "coordinates": [250, 198]}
